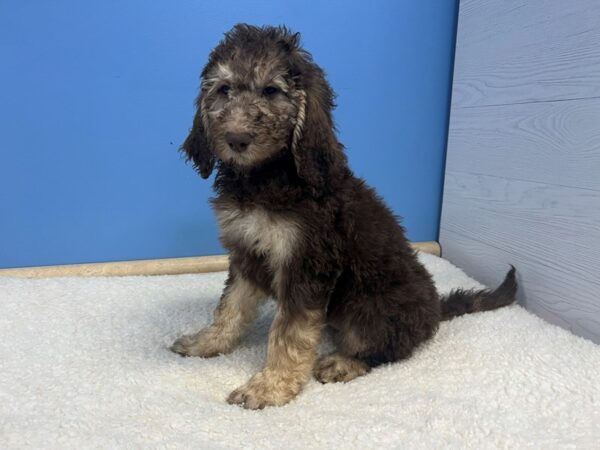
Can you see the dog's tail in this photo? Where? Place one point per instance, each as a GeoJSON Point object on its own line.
{"type": "Point", "coordinates": [461, 301]}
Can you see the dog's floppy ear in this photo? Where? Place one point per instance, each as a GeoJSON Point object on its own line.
{"type": "Point", "coordinates": [317, 153]}
{"type": "Point", "coordinates": [196, 146]}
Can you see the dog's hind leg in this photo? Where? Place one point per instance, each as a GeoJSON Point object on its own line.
{"type": "Point", "coordinates": [337, 367]}
{"type": "Point", "coordinates": [237, 309]}
{"type": "Point", "coordinates": [342, 365]}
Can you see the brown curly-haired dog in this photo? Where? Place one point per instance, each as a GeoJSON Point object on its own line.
{"type": "Point", "coordinates": [301, 228]}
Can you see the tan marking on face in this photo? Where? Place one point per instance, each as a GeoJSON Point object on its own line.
{"type": "Point", "coordinates": [224, 72]}
{"type": "Point", "coordinates": [237, 309]}
{"type": "Point", "coordinates": [269, 72]}
{"type": "Point", "coordinates": [279, 82]}
{"type": "Point", "coordinates": [293, 341]}
{"type": "Point", "coordinates": [266, 68]}
{"type": "Point", "coordinates": [220, 75]}
{"type": "Point", "coordinates": [238, 122]}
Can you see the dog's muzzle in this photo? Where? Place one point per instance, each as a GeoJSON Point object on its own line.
{"type": "Point", "coordinates": [238, 142]}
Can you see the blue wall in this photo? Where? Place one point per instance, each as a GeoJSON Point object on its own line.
{"type": "Point", "coordinates": [97, 96]}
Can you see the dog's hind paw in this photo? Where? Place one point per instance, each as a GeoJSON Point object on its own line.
{"type": "Point", "coordinates": [337, 368]}
{"type": "Point", "coordinates": [184, 346]}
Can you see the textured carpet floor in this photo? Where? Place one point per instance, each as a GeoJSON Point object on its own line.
{"type": "Point", "coordinates": [84, 364]}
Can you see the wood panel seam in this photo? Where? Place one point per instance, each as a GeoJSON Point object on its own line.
{"type": "Point", "coordinates": [531, 102]}
{"type": "Point", "coordinates": [525, 180]}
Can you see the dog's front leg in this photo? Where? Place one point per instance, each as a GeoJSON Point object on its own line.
{"type": "Point", "coordinates": [237, 308]}
{"type": "Point", "coordinates": [293, 342]}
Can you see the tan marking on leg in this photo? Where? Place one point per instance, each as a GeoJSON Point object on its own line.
{"type": "Point", "coordinates": [292, 351]}
{"type": "Point", "coordinates": [237, 309]}
{"type": "Point", "coordinates": [337, 368]}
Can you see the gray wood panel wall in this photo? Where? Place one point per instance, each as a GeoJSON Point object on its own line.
{"type": "Point", "coordinates": [522, 181]}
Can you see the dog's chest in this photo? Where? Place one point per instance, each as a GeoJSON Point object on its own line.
{"type": "Point", "coordinates": [259, 231]}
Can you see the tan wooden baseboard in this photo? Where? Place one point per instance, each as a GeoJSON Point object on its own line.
{"type": "Point", "coordinates": [170, 266]}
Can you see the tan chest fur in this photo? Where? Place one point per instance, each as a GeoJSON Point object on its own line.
{"type": "Point", "coordinates": [262, 232]}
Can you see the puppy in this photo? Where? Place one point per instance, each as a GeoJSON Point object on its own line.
{"type": "Point", "coordinates": [302, 229]}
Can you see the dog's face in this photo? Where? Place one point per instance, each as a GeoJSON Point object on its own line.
{"type": "Point", "coordinates": [249, 105]}
{"type": "Point", "coordinates": [261, 94]}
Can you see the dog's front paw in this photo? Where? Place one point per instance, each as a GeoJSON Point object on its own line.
{"type": "Point", "coordinates": [266, 388]}
{"type": "Point", "coordinates": [206, 344]}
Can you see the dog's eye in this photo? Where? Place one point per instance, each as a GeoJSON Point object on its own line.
{"type": "Point", "coordinates": [224, 89]}
{"type": "Point", "coordinates": [270, 91]}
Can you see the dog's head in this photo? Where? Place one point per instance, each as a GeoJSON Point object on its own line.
{"type": "Point", "coordinates": [261, 94]}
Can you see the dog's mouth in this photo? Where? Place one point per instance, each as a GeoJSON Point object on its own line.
{"type": "Point", "coordinates": [236, 148]}
{"type": "Point", "coordinates": [246, 155]}
{"type": "Point", "coordinates": [250, 156]}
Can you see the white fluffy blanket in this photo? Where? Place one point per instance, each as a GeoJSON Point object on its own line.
{"type": "Point", "coordinates": [84, 364]}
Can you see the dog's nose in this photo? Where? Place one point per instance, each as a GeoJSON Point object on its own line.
{"type": "Point", "coordinates": [238, 142]}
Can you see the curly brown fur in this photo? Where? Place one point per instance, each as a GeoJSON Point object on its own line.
{"type": "Point", "coordinates": [300, 226]}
